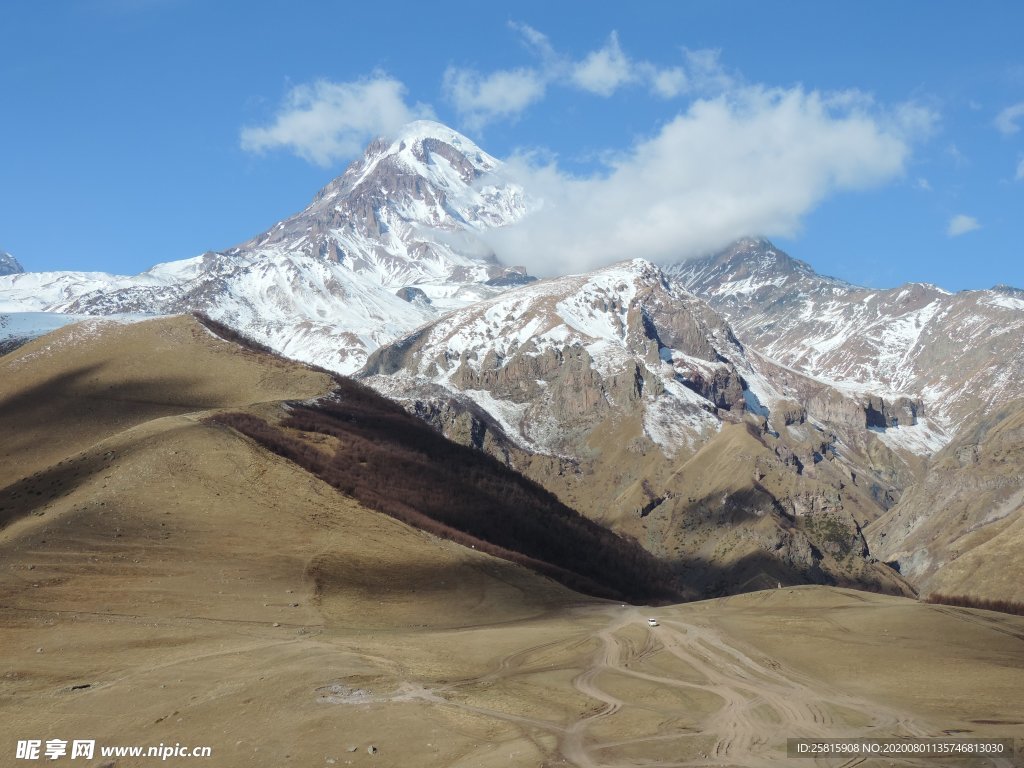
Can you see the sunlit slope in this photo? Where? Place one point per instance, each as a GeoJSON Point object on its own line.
{"type": "Point", "coordinates": [199, 586]}
{"type": "Point", "coordinates": [61, 393]}
{"type": "Point", "coordinates": [960, 530]}
{"type": "Point", "coordinates": [183, 574]}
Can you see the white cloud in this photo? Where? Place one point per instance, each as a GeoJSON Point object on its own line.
{"type": "Point", "coordinates": [923, 184]}
{"type": "Point", "coordinates": [480, 99]}
{"type": "Point", "coordinates": [605, 70]}
{"type": "Point", "coordinates": [1020, 170]}
{"type": "Point", "coordinates": [961, 224]}
{"type": "Point", "coordinates": [323, 122]}
{"type": "Point", "coordinates": [706, 71]}
{"type": "Point", "coordinates": [608, 69]}
{"type": "Point", "coordinates": [1006, 121]}
{"type": "Point", "coordinates": [668, 83]}
{"type": "Point", "coordinates": [753, 162]}
{"type": "Point", "coordinates": [537, 42]}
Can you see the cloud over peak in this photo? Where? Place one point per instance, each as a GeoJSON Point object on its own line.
{"type": "Point", "coordinates": [324, 122]}
{"type": "Point", "coordinates": [736, 159]}
{"type": "Point", "coordinates": [755, 160]}
{"type": "Point", "coordinates": [480, 99]}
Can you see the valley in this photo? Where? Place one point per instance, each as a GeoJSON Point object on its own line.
{"type": "Point", "coordinates": [170, 581]}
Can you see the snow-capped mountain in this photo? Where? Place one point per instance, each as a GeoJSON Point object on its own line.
{"type": "Point", "coordinates": [9, 265]}
{"type": "Point", "coordinates": [390, 244]}
{"type": "Point", "coordinates": [958, 354]}
{"type": "Point", "coordinates": [408, 213]}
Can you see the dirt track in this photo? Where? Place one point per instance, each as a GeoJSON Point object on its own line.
{"type": "Point", "coordinates": [747, 703]}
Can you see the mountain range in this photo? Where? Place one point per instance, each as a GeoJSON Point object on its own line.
{"type": "Point", "coordinates": [746, 420]}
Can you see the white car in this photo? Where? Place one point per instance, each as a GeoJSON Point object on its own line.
{"type": "Point", "coordinates": [652, 622]}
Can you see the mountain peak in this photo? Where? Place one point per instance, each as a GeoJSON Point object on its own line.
{"type": "Point", "coordinates": [418, 130]}
{"type": "Point", "coordinates": [747, 266]}
{"type": "Point", "coordinates": [761, 254]}
{"type": "Point", "coordinates": [9, 265]}
{"type": "Point", "coordinates": [423, 150]}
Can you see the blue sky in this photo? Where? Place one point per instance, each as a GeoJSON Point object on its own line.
{"type": "Point", "coordinates": [881, 142]}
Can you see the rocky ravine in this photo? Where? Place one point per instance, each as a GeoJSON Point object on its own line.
{"type": "Point", "coordinates": [633, 401]}
{"type": "Point", "coordinates": [960, 529]}
{"type": "Point", "coordinates": [936, 377]}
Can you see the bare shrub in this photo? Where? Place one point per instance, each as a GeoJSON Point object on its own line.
{"type": "Point", "coordinates": [983, 603]}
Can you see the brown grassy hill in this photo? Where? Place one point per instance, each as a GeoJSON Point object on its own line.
{"type": "Point", "coordinates": [375, 452]}
{"type": "Point", "coordinates": [188, 581]}
{"type": "Point", "coordinates": [64, 391]}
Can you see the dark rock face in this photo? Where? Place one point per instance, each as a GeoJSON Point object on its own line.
{"type": "Point", "coordinates": [901, 412]}
{"type": "Point", "coordinates": [511, 279]}
{"type": "Point", "coordinates": [411, 294]}
{"type": "Point", "coordinates": [864, 412]}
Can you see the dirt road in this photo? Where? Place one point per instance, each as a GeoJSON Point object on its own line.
{"type": "Point", "coordinates": [749, 703]}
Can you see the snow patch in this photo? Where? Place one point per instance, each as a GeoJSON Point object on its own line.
{"type": "Point", "coordinates": [923, 438]}
{"type": "Point", "coordinates": [678, 419]}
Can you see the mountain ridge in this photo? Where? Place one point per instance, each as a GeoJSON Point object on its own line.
{"type": "Point", "coordinates": [891, 342]}
{"type": "Point", "coordinates": [610, 388]}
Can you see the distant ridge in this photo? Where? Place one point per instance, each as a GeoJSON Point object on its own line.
{"type": "Point", "coordinates": [9, 265]}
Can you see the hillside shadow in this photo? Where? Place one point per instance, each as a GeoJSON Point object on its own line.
{"type": "Point", "coordinates": [430, 593]}
{"type": "Point", "coordinates": [82, 410]}
{"type": "Point", "coordinates": [761, 570]}
{"type": "Point", "coordinates": [29, 494]}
